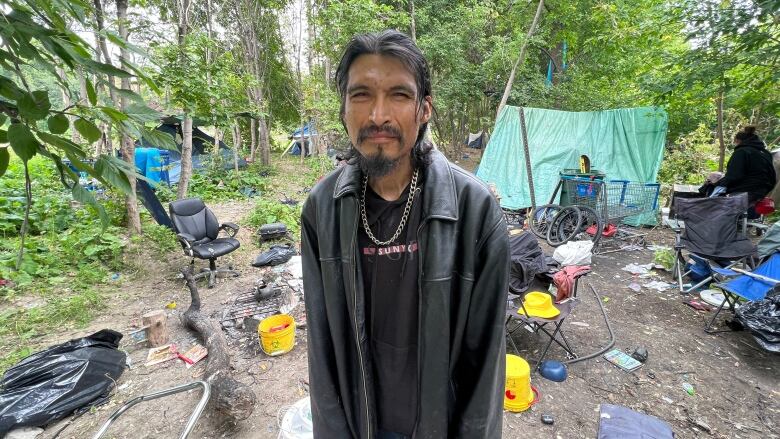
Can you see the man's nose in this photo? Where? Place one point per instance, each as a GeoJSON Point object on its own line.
{"type": "Point", "coordinates": [380, 111]}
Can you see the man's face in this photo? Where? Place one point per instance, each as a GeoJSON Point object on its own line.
{"type": "Point", "coordinates": [381, 112]}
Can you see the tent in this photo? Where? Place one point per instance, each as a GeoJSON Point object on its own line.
{"type": "Point", "coordinates": [202, 146]}
{"type": "Point", "coordinates": [625, 144]}
{"type": "Point", "coordinates": [309, 131]}
{"type": "Point", "coordinates": [477, 140]}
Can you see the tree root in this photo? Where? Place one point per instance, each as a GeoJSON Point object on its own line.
{"type": "Point", "coordinates": [233, 399]}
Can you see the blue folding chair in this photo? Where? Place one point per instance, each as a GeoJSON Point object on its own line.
{"type": "Point", "coordinates": [739, 284]}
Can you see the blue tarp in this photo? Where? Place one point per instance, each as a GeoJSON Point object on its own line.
{"type": "Point", "coordinates": [152, 163]}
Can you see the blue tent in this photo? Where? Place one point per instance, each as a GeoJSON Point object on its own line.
{"type": "Point", "coordinates": [167, 164]}
{"type": "Point", "coordinates": [295, 146]}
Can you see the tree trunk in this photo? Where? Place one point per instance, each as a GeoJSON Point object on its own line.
{"type": "Point", "coordinates": [102, 51]}
{"type": "Point", "coordinates": [721, 143]}
{"type": "Point", "coordinates": [232, 399]}
{"type": "Point", "coordinates": [520, 59]}
{"type": "Point", "coordinates": [303, 141]}
{"type": "Point", "coordinates": [253, 139]}
{"type": "Point", "coordinates": [236, 145]}
{"type": "Point", "coordinates": [310, 39]}
{"type": "Point", "coordinates": [128, 147]}
{"type": "Point", "coordinates": [186, 156]}
{"type": "Point", "coordinates": [186, 124]}
{"type": "Point", "coordinates": [412, 25]}
{"type": "Point", "coordinates": [265, 141]}
{"type": "Point", "coordinates": [102, 47]}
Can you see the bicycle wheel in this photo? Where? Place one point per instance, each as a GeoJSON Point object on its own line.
{"type": "Point", "coordinates": [564, 226]}
{"type": "Point", "coordinates": [591, 221]}
{"type": "Point", "coordinates": [540, 219]}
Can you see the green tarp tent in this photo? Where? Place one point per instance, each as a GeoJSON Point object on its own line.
{"type": "Point", "coordinates": [626, 144]}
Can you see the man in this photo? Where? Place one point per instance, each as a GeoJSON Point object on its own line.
{"type": "Point", "coordinates": [405, 268]}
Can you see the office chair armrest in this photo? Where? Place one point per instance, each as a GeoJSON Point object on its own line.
{"type": "Point", "coordinates": [186, 240]}
{"type": "Point", "coordinates": [230, 228]}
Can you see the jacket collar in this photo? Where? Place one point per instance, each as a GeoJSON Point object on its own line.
{"type": "Point", "coordinates": [440, 200]}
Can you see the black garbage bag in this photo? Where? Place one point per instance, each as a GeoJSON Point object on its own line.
{"type": "Point", "coordinates": [51, 384]}
{"type": "Point", "coordinates": [277, 254]}
{"type": "Point", "coordinates": [762, 318]}
{"type": "Point", "coordinates": [527, 260]}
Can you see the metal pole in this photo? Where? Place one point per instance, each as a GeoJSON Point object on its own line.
{"type": "Point", "coordinates": [190, 423]}
{"type": "Point", "coordinates": [527, 153]}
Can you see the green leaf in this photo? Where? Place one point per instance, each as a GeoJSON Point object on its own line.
{"type": "Point", "coordinates": [35, 105]}
{"type": "Point", "coordinates": [5, 157]}
{"type": "Point", "coordinates": [3, 136]}
{"type": "Point", "coordinates": [107, 69]}
{"type": "Point", "coordinates": [3, 118]}
{"type": "Point", "coordinates": [84, 196]}
{"type": "Point", "coordinates": [142, 113]}
{"type": "Point", "coordinates": [9, 89]}
{"type": "Point", "coordinates": [115, 115]}
{"type": "Point", "coordinates": [129, 94]}
{"type": "Point", "coordinates": [22, 141]}
{"type": "Point", "coordinates": [112, 175]}
{"type": "Point", "coordinates": [62, 143]}
{"type": "Point", "coordinates": [159, 139]}
{"type": "Point", "coordinates": [91, 93]}
{"type": "Point", "coordinates": [58, 123]}
{"type": "Point", "coordinates": [89, 130]}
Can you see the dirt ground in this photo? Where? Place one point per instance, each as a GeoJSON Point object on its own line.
{"type": "Point", "coordinates": [737, 390]}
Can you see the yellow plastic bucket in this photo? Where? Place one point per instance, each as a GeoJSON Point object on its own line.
{"type": "Point", "coordinates": [518, 393]}
{"type": "Point", "coordinates": [277, 334]}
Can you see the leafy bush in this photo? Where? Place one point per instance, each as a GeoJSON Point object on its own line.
{"type": "Point", "coordinates": [690, 160]}
{"type": "Point", "coordinates": [318, 166]}
{"type": "Point", "coordinates": [267, 211]}
{"type": "Point", "coordinates": [163, 238]}
{"type": "Point", "coordinates": [232, 186]}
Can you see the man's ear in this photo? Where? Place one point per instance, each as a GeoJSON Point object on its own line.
{"type": "Point", "coordinates": [427, 109]}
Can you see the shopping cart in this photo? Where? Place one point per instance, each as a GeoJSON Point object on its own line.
{"type": "Point", "coordinates": [592, 206]}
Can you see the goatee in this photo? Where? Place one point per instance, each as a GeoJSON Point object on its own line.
{"type": "Point", "coordinates": [377, 165]}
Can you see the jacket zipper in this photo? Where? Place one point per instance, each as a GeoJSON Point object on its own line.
{"type": "Point", "coordinates": [357, 333]}
{"type": "Point", "coordinates": [420, 259]}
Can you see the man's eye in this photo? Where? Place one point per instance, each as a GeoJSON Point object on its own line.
{"type": "Point", "coordinates": [359, 95]}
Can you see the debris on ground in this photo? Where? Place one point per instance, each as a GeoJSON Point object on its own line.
{"type": "Point", "coordinates": [637, 269]}
{"type": "Point", "coordinates": [658, 285]}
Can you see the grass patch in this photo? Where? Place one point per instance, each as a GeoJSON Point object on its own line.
{"type": "Point", "coordinates": [21, 325]}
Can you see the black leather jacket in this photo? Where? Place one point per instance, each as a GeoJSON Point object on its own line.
{"type": "Point", "coordinates": [463, 276]}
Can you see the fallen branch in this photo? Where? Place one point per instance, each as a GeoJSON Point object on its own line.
{"type": "Point", "coordinates": [233, 399]}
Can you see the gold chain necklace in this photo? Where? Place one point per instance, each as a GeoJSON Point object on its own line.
{"type": "Point", "coordinates": [404, 218]}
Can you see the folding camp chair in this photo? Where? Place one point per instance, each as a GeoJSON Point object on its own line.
{"type": "Point", "coordinates": [711, 233]}
{"type": "Point", "coordinates": [538, 324]}
{"type": "Point", "coordinates": [739, 284]}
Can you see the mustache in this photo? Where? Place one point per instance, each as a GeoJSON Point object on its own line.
{"type": "Point", "coordinates": [373, 130]}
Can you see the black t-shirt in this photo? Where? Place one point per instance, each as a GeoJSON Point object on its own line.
{"type": "Point", "coordinates": [392, 303]}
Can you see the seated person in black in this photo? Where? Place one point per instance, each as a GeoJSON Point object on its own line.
{"type": "Point", "coordinates": [750, 167]}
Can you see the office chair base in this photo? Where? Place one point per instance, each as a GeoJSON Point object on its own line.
{"type": "Point", "coordinates": [213, 272]}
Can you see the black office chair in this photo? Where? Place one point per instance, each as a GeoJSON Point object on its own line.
{"type": "Point", "coordinates": [198, 229]}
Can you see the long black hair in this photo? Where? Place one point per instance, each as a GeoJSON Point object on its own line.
{"type": "Point", "coordinates": [401, 47]}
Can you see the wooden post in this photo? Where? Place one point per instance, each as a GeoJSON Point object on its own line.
{"type": "Point", "coordinates": [158, 328]}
